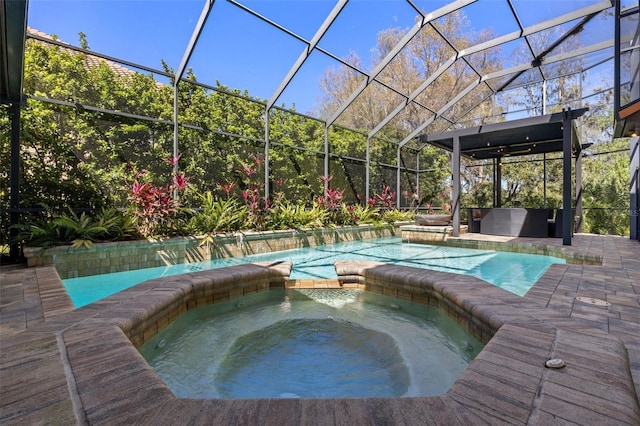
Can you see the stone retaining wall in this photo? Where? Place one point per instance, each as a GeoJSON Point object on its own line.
{"type": "Point", "coordinates": [106, 258]}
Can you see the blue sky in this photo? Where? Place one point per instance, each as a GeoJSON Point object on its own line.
{"type": "Point", "coordinates": [236, 49]}
{"type": "Point", "coordinates": [241, 51]}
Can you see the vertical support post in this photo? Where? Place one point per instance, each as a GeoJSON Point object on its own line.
{"type": "Point", "coordinates": [544, 97]}
{"type": "Point", "coordinates": [455, 191]}
{"type": "Point", "coordinates": [175, 130]}
{"type": "Point", "coordinates": [634, 189]}
{"type": "Point", "coordinates": [267, 148]}
{"type": "Point", "coordinates": [493, 178]}
{"type": "Point", "coordinates": [326, 158]}
{"type": "Point", "coordinates": [14, 180]}
{"type": "Point", "coordinates": [498, 183]}
{"type": "Point", "coordinates": [567, 210]}
{"type": "Point", "coordinates": [544, 179]}
{"type": "Point", "coordinates": [417, 200]}
{"type": "Point", "coordinates": [398, 176]}
{"type": "Point", "coordinates": [617, 103]}
{"type": "Point", "coordinates": [579, 191]}
{"type": "Point", "coordinates": [367, 180]}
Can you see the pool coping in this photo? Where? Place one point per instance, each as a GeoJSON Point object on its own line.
{"type": "Point", "coordinates": [416, 234]}
{"type": "Point", "coordinates": [82, 367]}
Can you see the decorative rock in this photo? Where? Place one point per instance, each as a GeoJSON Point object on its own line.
{"type": "Point", "coordinates": [554, 363]}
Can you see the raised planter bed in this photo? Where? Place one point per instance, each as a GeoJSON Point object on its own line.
{"type": "Point", "coordinates": [106, 258]}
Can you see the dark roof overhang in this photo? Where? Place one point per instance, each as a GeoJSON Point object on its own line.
{"type": "Point", "coordinates": [534, 135]}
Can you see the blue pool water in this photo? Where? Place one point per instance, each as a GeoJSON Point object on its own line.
{"type": "Point", "coordinates": [515, 272]}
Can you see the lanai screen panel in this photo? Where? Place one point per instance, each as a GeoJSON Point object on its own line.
{"type": "Point", "coordinates": [295, 173]}
{"type": "Point", "coordinates": [298, 54]}
{"type": "Point", "coordinates": [393, 70]}
{"type": "Point", "coordinates": [268, 38]}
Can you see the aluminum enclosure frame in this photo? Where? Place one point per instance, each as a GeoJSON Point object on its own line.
{"type": "Point", "coordinates": [9, 19]}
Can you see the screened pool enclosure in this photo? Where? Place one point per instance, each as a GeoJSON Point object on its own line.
{"type": "Point", "coordinates": [299, 97]}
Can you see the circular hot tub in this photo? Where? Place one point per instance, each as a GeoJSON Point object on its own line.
{"type": "Point", "coordinates": [311, 344]}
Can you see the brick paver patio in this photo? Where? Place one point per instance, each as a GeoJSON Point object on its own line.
{"type": "Point", "coordinates": [64, 366]}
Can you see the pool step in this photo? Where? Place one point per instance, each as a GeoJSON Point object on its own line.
{"type": "Point", "coordinates": [313, 283]}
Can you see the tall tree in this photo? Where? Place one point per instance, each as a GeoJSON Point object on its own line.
{"type": "Point", "coordinates": [416, 62]}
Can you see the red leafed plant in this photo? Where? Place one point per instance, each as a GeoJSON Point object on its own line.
{"type": "Point", "coordinates": [332, 198]}
{"type": "Point", "coordinates": [155, 207]}
{"type": "Point", "coordinates": [387, 198]}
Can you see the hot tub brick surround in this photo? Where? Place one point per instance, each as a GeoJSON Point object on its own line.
{"type": "Point", "coordinates": [164, 300]}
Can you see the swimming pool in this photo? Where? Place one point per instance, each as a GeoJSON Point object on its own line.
{"type": "Point", "coordinates": [515, 272]}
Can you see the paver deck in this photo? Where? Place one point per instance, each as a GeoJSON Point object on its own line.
{"type": "Point", "coordinates": [64, 366]}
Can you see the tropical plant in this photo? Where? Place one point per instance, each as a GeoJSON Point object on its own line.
{"type": "Point", "coordinates": [386, 199]}
{"type": "Point", "coordinates": [218, 215]}
{"type": "Point", "coordinates": [78, 230]}
{"type": "Point", "coordinates": [313, 217]}
{"type": "Point", "coordinates": [45, 234]}
{"type": "Point", "coordinates": [395, 215]}
{"type": "Point", "coordinates": [286, 215]}
{"type": "Point", "coordinates": [119, 225]}
{"type": "Point", "coordinates": [354, 214]}
{"type": "Point", "coordinates": [81, 229]}
{"type": "Point", "coordinates": [156, 208]}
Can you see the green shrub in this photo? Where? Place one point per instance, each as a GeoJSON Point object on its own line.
{"type": "Point", "coordinates": [218, 215]}
{"type": "Point", "coordinates": [395, 215]}
{"type": "Point", "coordinates": [285, 215]}
{"type": "Point", "coordinates": [78, 230]}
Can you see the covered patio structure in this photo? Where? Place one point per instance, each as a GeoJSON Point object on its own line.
{"type": "Point", "coordinates": [536, 135]}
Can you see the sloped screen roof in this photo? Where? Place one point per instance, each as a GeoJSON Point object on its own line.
{"type": "Point", "coordinates": [282, 51]}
